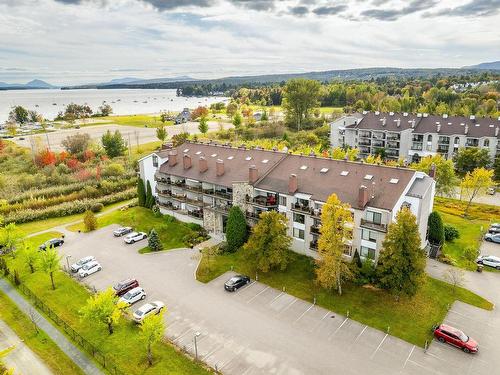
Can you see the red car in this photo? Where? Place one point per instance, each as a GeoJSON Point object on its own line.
{"type": "Point", "coordinates": [124, 286]}
{"type": "Point", "coordinates": [455, 337]}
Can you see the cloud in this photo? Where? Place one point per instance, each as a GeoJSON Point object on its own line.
{"type": "Point", "coordinates": [393, 14]}
{"type": "Point", "coordinates": [475, 8]}
{"type": "Point", "coordinates": [261, 5]}
{"type": "Point", "coordinates": [299, 10]}
{"type": "Point", "coordinates": [329, 10]}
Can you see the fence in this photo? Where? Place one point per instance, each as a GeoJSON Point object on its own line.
{"type": "Point", "coordinates": [105, 361]}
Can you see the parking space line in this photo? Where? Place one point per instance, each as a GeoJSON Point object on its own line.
{"type": "Point", "coordinates": [474, 320]}
{"type": "Point", "coordinates": [304, 313]}
{"type": "Point", "coordinates": [424, 367]}
{"type": "Point", "coordinates": [359, 335]}
{"type": "Point", "coordinates": [182, 335]}
{"type": "Point", "coordinates": [289, 305]}
{"type": "Point", "coordinates": [258, 294]}
{"type": "Point", "coordinates": [409, 355]}
{"type": "Point", "coordinates": [339, 327]}
{"type": "Point", "coordinates": [275, 298]}
{"type": "Point", "coordinates": [379, 345]}
{"type": "Point", "coordinates": [211, 352]}
{"type": "Point", "coordinates": [231, 360]}
{"type": "Point", "coordinates": [245, 288]}
{"type": "Point", "coordinates": [317, 325]}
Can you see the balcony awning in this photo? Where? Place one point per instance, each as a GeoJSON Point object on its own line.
{"type": "Point", "coordinates": [302, 196]}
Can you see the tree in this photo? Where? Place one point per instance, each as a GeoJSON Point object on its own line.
{"type": "Point", "coordinates": [152, 330]}
{"type": "Point", "coordinates": [10, 236]}
{"type": "Point", "coordinates": [104, 307]}
{"type": "Point", "coordinates": [161, 133]}
{"type": "Point", "coordinates": [210, 252]}
{"type": "Point", "coordinates": [150, 199]}
{"type": "Point", "coordinates": [455, 277]}
{"type": "Point", "coordinates": [49, 263]}
{"type": "Point", "coordinates": [237, 120]}
{"type": "Point", "coordinates": [468, 159]}
{"type": "Point", "coordinates": [105, 110]}
{"type": "Point", "coordinates": [141, 192]}
{"type": "Point", "coordinates": [435, 228]}
{"type": "Point", "coordinates": [199, 112]}
{"type": "Point", "coordinates": [475, 183]}
{"type": "Point", "coordinates": [331, 270]}
{"type": "Point", "coordinates": [268, 245]}
{"type": "Point", "coordinates": [445, 173]}
{"type": "Point", "coordinates": [496, 168]}
{"type": "Point", "coordinates": [113, 144]}
{"type": "Point", "coordinates": [236, 229]}
{"type": "Point", "coordinates": [30, 256]}
{"type": "Point", "coordinates": [19, 115]}
{"type": "Point", "coordinates": [89, 221]}
{"type": "Point", "coordinates": [300, 96]}
{"type": "Point", "coordinates": [179, 139]}
{"type": "Point", "coordinates": [203, 125]}
{"type": "Point", "coordinates": [231, 109]}
{"type": "Point", "coordinates": [401, 265]}
{"type": "Point", "coordinates": [154, 242]}
{"type": "Point", "coordinates": [77, 143]}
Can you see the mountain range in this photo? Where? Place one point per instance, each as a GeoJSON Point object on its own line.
{"type": "Point", "coordinates": [34, 84]}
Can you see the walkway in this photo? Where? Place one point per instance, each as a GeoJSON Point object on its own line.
{"type": "Point", "coordinates": [57, 336]}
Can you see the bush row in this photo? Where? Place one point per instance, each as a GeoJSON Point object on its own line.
{"type": "Point", "coordinates": [68, 208]}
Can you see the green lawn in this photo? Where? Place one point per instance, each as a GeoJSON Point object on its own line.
{"type": "Point", "coordinates": [410, 320]}
{"type": "Point", "coordinates": [125, 347]}
{"type": "Point", "coordinates": [171, 231]}
{"type": "Point", "coordinates": [39, 239]}
{"type": "Point", "coordinates": [39, 342]}
{"type": "Point", "coordinates": [136, 120]}
{"type": "Point", "coordinates": [145, 149]}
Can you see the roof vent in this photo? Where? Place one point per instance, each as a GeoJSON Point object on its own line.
{"type": "Point", "coordinates": [213, 155]}
{"type": "Point", "coordinates": [344, 173]}
{"type": "Point", "coordinates": [462, 123]}
{"type": "Point", "coordinates": [186, 150]}
{"type": "Point", "coordinates": [265, 161]}
{"type": "Point", "coordinates": [391, 113]}
{"type": "Point", "coordinates": [324, 170]}
{"type": "Point", "coordinates": [248, 158]}
{"type": "Point", "coordinates": [405, 114]}
{"type": "Point", "coordinates": [491, 125]}
{"type": "Point", "coordinates": [304, 167]}
{"type": "Point", "coordinates": [419, 115]}
{"type": "Point", "coordinates": [449, 123]}
{"type": "Point", "coordinates": [365, 112]}
{"type": "Point", "coordinates": [368, 177]}
{"type": "Point", "coordinates": [394, 181]}
{"type": "Point", "coordinates": [230, 157]}
{"type": "Point", "coordinates": [426, 114]}
{"type": "Point", "coordinates": [472, 117]}
{"type": "Point", "coordinates": [198, 152]}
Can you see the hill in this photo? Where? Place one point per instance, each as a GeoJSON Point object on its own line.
{"type": "Point", "coordinates": [34, 84]}
{"type": "Point", "coordinates": [494, 65]}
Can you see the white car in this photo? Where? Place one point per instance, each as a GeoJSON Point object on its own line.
{"type": "Point", "coordinates": [489, 260]}
{"type": "Point", "coordinates": [89, 268]}
{"type": "Point", "coordinates": [148, 309]}
{"type": "Point", "coordinates": [133, 295]}
{"type": "Point", "coordinates": [75, 267]}
{"type": "Point", "coordinates": [122, 231]}
{"type": "Point", "coordinates": [135, 236]}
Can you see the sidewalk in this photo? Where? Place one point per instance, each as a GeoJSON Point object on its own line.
{"type": "Point", "coordinates": [57, 336]}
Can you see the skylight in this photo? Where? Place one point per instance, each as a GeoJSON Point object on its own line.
{"type": "Point", "coordinates": [186, 150]}
{"type": "Point", "coordinates": [248, 158]}
{"type": "Point", "coordinates": [304, 167]}
{"type": "Point", "coordinates": [394, 181]}
{"type": "Point", "coordinates": [344, 173]}
{"type": "Point", "coordinates": [198, 152]}
{"type": "Point", "coordinates": [368, 177]}
{"type": "Point", "coordinates": [230, 157]}
{"type": "Point", "coordinates": [214, 155]}
{"type": "Point", "coordinates": [324, 170]}
{"type": "Point", "coordinates": [265, 161]}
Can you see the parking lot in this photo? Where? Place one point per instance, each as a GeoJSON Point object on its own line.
{"type": "Point", "coordinates": [261, 330]}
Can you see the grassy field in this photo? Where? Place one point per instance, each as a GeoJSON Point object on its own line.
{"type": "Point", "coordinates": [39, 342]}
{"type": "Point", "coordinates": [125, 346]}
{"type": "Point", "coordinates": [39, 239]}
{"type": "Point", "coordinates": [144, 149]}
{"type": "Point", "coordinates": [470, 228]}
{"type": "Point", "coordinates": [171, 232]}
{"type": "Point", "coordinates": [373, 307]}
{"type": "Point", "coordinates": [136, 120]}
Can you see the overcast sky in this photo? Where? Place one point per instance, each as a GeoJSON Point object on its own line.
{"type": "Point", "coordinates": [81, 41]}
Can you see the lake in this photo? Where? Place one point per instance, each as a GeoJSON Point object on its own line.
{"type": "Point", "coordinates": [124, 101]}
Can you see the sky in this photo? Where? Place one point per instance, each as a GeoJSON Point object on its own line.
{"type": "Point", "coordinates": [85, 41]}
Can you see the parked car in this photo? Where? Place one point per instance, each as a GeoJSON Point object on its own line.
{"type": "Point", "coordinates": [494, 230]}
{"type": "Point", "coordinates": [133, 295]}
{"type": "Point", "coordinates": [75, 267]}
{"type": "Point", "coordinates": [495, 225]}
{"type": "Point", "coordinates": [236, 282]}
{"type": "Point", "coordinates": [54, 242]}
{"type": "Point", "coordinates": [455, 337]}
{"type": "Point", "coordinates": [491, 190]}
{"type": "Point", "coordinates": [489, 260]}
{"type": "Point", "coordinates": [124, 286]}
{"type": "Point", "coordinates": [122, 231]}
{"type": "Point", "coordinates": [148, 309]}
{"type": "Point", "coordinates": [89, 268]}
{"type": "Point", "coordinates": [492, 237]}
{"type": "Point", "coordinates": [135, 236]}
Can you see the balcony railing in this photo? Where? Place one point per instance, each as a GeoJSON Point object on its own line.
{"type": "Point", "coordinates": [198, 214]}
{"type": "Point", "coordinates": [196, 202]}
{"type": "Point", "coordinates": [315, 229]}
{"type": "Point", "coordinates": [393, 137]}
{"type": "Point", "coordinates": [179, 197]}
{"type": "Point", "coordinates": [364, 142]}
{"type": "Point", "coordinates": [218, 193]}
{"type": "Point", "coordinates": [365, 134]}
{"type": "Point", "coordinates": [222, 208]}
{"type": "Point", "coordinates": [417, 146]}
{"type": "Point", "coordinates": [392, 144]}
{"type": "Point", "coordinates": [301, 208]}
{"type": "Point", "coordinates": [313, 245]}
{"type": "Point", "coordinates": [372, 225]}
{"type": "Point", "coordinates": [193, 188]}
{"type": "Point", "coordinates": [378, 144]}
{"type": "Point", "coordinates": [265, 201]}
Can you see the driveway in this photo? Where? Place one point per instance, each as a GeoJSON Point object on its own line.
{"type": "Point", "coordinates": [260, 330]}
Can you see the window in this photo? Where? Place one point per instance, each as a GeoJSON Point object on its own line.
{"type": "Point", "coordinates": [457, 141]}
{"type": "Point", "coordinates": [347, 250]}
{"type": "Point", "coordinates": [282, 201]}
{"type": "Point", "coordinates": [155, 161]}
{"type": "Point", "coordinates": [367, 253]}
{"type": "Point", "coordinates": [486, 143]}
{"type": "Point", "coordinates": [298, 233]}
{"type": "Point", "coordinates": [299, 218]}
{"type": "Point", "coordinates": [429, 138]}
{"type": "Point", "coordinates": [374, 217]}
{"type": "Point", "coordinates": [368, 235]}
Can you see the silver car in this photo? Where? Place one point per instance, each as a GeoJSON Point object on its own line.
{"type": "Point", "coordinates": [75, 267]}
{"type": "Point", "coordinates": [133, 296]}
{"type": "Point", "coordinates": [489, 260]}
{"type": "Point", "coordinates": [492, 237]}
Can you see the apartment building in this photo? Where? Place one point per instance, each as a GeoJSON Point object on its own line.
{"type": "Point", "coordinates": [200, 182]}
{"type": "Point", "coordinates": [413, 136]}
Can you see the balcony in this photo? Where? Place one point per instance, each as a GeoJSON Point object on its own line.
{"type": "Point", "coordinates": [218, 193]}
{"type": "Point", "coordinates": [393, 137]}
{"type": "Point", "coordinates": [252, 216]}
{"type": "Point", "coordinates": [314, 229]}
{"type": "Point", "coordinates": [179, 183]}
{"type": "Point", "coordinates": [301, 208]}
{"type": "Point", "coordinates": [221, 208]}
{"type": "Point", "coordinates": [163, 193]}
{"type": "Point", "coordinates": [364, 142]}
{"type": "Point", "coordinates": [377, 143]}
{"type": "Point", "coordinates": [372, 225]}
{"type": "Point", "coordinates": [364, 134]}
{"type": "Point", "coordinates": [443, 149]}
{"type": "Point", "coordinates": [417, 146]}
{"type": "Point", "coordinates": [378, 136]}
{"type": "Point", "coordinates": [193, 188]}
{"type": "Point", "coordinates": [162, 180]}
{"type": "Point", "coordinates": [364, 149]}
{"type": "Point", "coordinates": [179, 197]}
{"type": "Point", "coordinates": [198, 214]}
{"type": "Point", "coordinates": [313, 245]}
{"type": "Point", "coordinates": [194, 201]}
{"type": "Point", "coordinates": [264, 201]}
{"type": "Point", "coordinates": [394, 145]}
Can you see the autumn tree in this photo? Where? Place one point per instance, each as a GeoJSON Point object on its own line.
{"type": "Point", "coordinates": [161, 134]}
{"type": "Point", "coordinates": [203, 125]}
{"type": "Point", "coordinates": [76, 144]}
{"type": "Point", "coordinates": [474, 184]}
{"type": "Point", "coordinates": [336, 220]}
{"type": "Point", "coordinates": [237, 120]}
{"type": "Point", "coordinates": [198, 112]}
{"type": "Point", "coordinates": [445, 173]}
{"type": "Point", "coordinates": [269, 244]}
{"type": "Point", "coordinates": [470, 158]}
{"type": "Point", "coordinates": [104, 307]}
{"type": "Point", "coordinates": [89, 221]}
{"type": "Point", "coordinates": [401, 264]}
{"type": "Point", "coordinates": [49, 263]}
{"type": "Point", "coordinates": [300, 96]}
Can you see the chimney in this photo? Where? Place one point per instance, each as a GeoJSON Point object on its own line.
{"type": "Point", "coordinates": [432, 171]}
{"type": "Point", "coordinates": [362, 196]}
{"type": "Point", "coordinates": [202, 164]}
{"type": "Point", "coordinates": [172, 158]}
{"type": "Point", "coordinates": [219, 167]}
{"type": "Point", "coordinates": [398, 122]}
{"type": "Point", "coordinates": [293, 183]}
{"type": "Point", "coordinates": [186, 161]}
{"type": "Point", "coordinates": [496, 131]}
{"type": "Point", "coordinates": [438, 127]}
{"type": "Point", "coordinates": [466, 130]}
{"type": "Point", "coordinates": [413, 123]}
{"type": "Point", "coordinates": [253, 174]}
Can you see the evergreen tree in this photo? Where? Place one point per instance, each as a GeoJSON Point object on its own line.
{"type": "Point", "coordinates": [401, 267]}
{"type": "Point", "coordinates": [141, 192]}
{"type": "Point", "coordinates": [435, 228]}
{"type": "Point", "coordinates": [236, 229]}
{"type": "Point", "coordinates": [154, 242]}
{"type": "Point", "coordinates": [113, 144]}
{"type": "Point", "coordinates": [357, 259]}
{"type": "Point", "coordinates": [150, 200]}
{"type": "Point", "coordinates": [89, 221]}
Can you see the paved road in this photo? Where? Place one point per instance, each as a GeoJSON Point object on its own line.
{"type": "Point", "coordinates": [260, 330]}
{"type": "Point", "coordinates": [20, 358]}
{"type": "Point", "coordinates": [136, 135]}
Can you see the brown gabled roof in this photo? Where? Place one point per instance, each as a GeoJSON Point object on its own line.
{"type": "Point", "coordinates": [320, 185]}
{"type": "Point", "coordinates": [395, 122]}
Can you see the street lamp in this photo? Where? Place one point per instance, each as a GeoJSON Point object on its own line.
{"type": "Point", "coordinates": [196, 335]}
{"type": "Point", "coordinates": [67, 262]}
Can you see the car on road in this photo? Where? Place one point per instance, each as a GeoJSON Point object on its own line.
{"type": "Point", "coordinates": [122, 231]}
{"type": "Point", "coordinates": [133, 295]}
{"type": "Point", "coordinates": [494, 230]}
{"type": "Point", "coordinates": [75, 267]}
{"type": "Point", "coordinates": [54, 242]}
{"type": "Point", "coordinates": [453, 336]}
{"type": "Point", "coordinates": [489, 260]}
{"type": "Point", "coordinates": [124, 286]}
{"type": "Point", "coordinates": [148, 309]}
{"type": "Point", "coordinates": [135, 236]}
{"type": "Point", "coordinates": [89, 268]}
{"type": "Point", "coordinates": [492, 237]}
{"type": "Point", "coordinates": [236, 282]}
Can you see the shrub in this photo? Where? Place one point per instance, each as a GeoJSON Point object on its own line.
{"type": "Point", "coordinates": [443, 258]}
{"type": "Point", "coordinates": [169, 219]}
{"type": "Point", "coordinates": [89, 221]}
{"type": "Point", "coordinates": [236, 229]}
{"type": "Point", "coordinates": [450, 232]}
{"type": "Point", "coordinates": [97, 207]}
{"type": "Point", "coordinates": [17, 280]}
{"type": "Point", "coordinates": [113, 169]}
{"type": "Point", "coordinates": [435, 228]}
{"type": "Point", "coordinates": [471, 254]}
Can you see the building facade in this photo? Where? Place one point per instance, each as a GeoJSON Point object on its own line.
{"type": "Point", "coordinates": [201, 182]}
{"type": "Point", "coordinates": [413, 136]}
